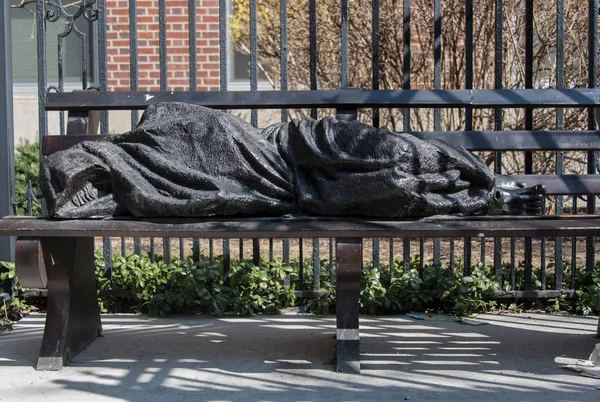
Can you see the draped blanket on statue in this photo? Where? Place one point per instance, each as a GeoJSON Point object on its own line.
{"type": "Point", "coordinates": [185, 160]}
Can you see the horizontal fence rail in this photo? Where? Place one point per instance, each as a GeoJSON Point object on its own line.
{"type": "Point", "coordinates": [342, 98]}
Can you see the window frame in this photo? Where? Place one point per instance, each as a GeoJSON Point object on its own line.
{"type": "Point", "coordinates": [70, 83]}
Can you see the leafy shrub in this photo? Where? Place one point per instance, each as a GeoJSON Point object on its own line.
{"type": "Point", "coordinates": [10, 311]}
{"type": "Point", "coordinates": [588, 296]}
{"type": "Point", "coordinates": [260, 289]}
{"type": "Point", "coordinates": [27, 169]}
{"type": "Point", "coordinates": [187, 286]}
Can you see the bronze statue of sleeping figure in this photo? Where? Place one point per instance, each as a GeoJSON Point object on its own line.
{"type": "Point", "coordinates": [185, 160]}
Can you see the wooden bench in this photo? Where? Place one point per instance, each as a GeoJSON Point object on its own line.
{"type": "Point", "coordinates": [67, 247]}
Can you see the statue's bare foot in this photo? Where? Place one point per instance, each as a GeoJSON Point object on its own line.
{"type": "Point", "coordinates": [517, 200]}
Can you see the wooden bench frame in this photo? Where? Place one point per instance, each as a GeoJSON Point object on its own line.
{"type": "Point", "coordinates": [67, 247]}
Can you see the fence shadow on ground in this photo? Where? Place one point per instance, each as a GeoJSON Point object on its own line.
{"type": "Point", "coordinates": [292, 356]}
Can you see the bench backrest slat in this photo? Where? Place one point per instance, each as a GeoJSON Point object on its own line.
{"type": "Point", "coordinates": [556, 185]}
{"type": "Point", "coordinates": [471, 140]}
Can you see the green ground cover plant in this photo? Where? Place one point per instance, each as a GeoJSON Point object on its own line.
{"type": "Point", "coordinates": [187, 286]}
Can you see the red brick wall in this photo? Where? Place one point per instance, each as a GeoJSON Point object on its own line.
{"type": "Point", "coordinates": [207, 45]}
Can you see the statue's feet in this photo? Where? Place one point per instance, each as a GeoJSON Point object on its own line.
{"type": "Point", "coordinates": [517, 200]}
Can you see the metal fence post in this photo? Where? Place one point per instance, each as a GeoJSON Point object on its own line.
{"type": "Point", "coordinates": [7, 166]}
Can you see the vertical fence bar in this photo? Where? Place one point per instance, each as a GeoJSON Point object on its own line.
{"type": "Point", "coordinates": [343, 84]}
{"type": "Point", "coordinates": [192, 42]}
{"type": "Point", "coordinates": [255, 251]}
{"type": "Point", "coordinates": [312, 12]}
{"type": "Point", "coordinates": [590, 248]}
{"type": "Point", "coordinates": [574, 249]}
{"type": "Point", "coordinates": [467, 256]}
{"type": "Point", "coordinates": [283, 56]}
{"type": "Point", "coordinates": [437, 59]}
{"type": "Point", "coordinates": [254, 87]}
{"type": "Point", "coordinates": [103, 76]}
{"type": "Point", "coordinates": [162, 39]}
{"type": "Point", "coordinates": [560, 125]}
{"type": "Point", "coordinates": [283, 60]}
{"type": "Point", "coordinates": [469, 59]}
{"type": "Point", "coordinates": [528, 126]}
{"type": "Point", "coordinates": [61, 80]}
{"type": "Point", "coordinates": [102, 67]}
{"type": "Point", "coordinates": [7, 154]}
{"type": "Point", "coordinates": [167, 249]}
{"type": "Point", "coordinates": [375, 85]}
{"type": "Point", "coordinates": [331, 273]}
{"type": "Point", "coordinates": [133, 82]}
{"type": "Point", "coordinates": [468, 110]}
{"type": "Point", "coordinates": [312, 28]}
{"type": "Point", "coordinates": [498, 67]}
{"type": "Point", "coordinates": [253, 58]}
{"type": "Point", "coordinates": [421, 259]}
{"type": "Point", "coordinates": [286, 258]}
{"type": "Point", "coordinates": [40, 21]}
{"type": "Point", "coordinates": [196, 249]}
{"type": "Point", "coordinates": [513, 267]}
{"type": "Point", "coordinates": [222, 44]}
{"type": "Point", "coordinates": [152, 250]}
{"type": "Point", "coordinates": [376, 253]}
{"type": "Point", "coordinates": [316, 257]}
{"type": "Point", "coordinates": [301, 262]}
{"type": "Point", "coordinates": [344, 79]}
{"type": "Point", "coordinates": [133, 56]}
{"type": "Point", "coordinates": [222, 87]}
{"type": "Point", "coordinates": [107, 256]}
{"type": "Point", "coordinates": [406, 112]}
{"type": "Point", "coordinates": [316, 265]}
{"type": "Point", "coordinates": [226, 261]}
{"type": "Point", "coordinates": [437, 84]}
{"type": "Point", "coordinates": [391, 257]}
{"type": "Point", "coordinates": [162, 44]}
{"type": "Point", "coordinates": [375, 56]}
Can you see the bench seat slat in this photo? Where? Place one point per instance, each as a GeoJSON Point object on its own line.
{"type": "Point", "coordinates": [280, 227]}
{"type": "Point", "coordinates": [471, 140]}
{"type": "Point", "coordinates": [341, 98]}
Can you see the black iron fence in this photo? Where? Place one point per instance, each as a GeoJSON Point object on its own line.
{"type": "Point", "coordinates": [428, 51]}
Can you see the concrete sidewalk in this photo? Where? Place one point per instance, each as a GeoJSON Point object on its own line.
{"type": "Point", "coordinates": [290, 357]}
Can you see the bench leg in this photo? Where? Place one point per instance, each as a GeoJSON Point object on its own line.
{"type": "Point", "coordinates": [348, 270]}
{"type": "Point", "coordinates": [73, 318]}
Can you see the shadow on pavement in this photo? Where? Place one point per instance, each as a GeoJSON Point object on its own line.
{"type": "Point", "coordinates": [291, 357]}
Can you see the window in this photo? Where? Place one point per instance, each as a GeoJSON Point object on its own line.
{"type": "Point", "coordinates": [24, 48]}
{"type": "Point", "coordinates": [238, 65]}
